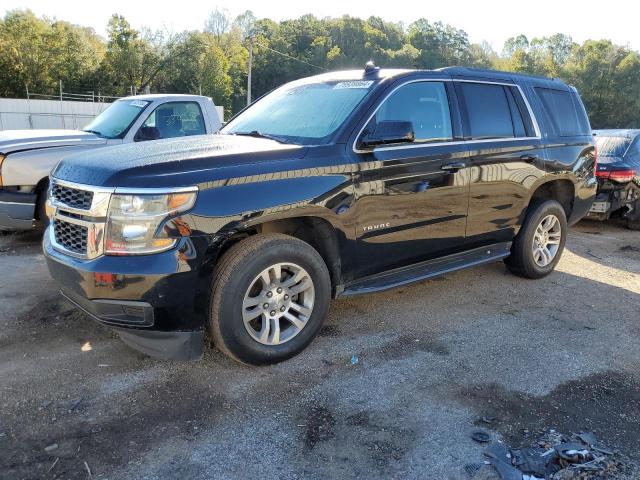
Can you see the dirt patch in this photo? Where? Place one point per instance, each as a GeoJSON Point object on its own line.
{"type": "Point", "coordinates": [359, 438]}
{"type": "Point", "coordinates": [320, 423]}
{"type": "Point", "coordinates": [329, 331]}
{"type": "Point", "coordinates": [607, 404]}
{"type": "Point", "coordinates": [408, 345]}
{"type": "Point", "coordinates": [85, 428]}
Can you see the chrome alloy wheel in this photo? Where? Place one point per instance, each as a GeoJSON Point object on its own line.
{"type": "Point", "coordinates": [278, 303]}
{"type": "Point", "coordinates": [546, 240]}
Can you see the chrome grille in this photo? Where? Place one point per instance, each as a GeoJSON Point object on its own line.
{"type": "Point", "coordinates": [72, 197]}
{"type": "Point", "coordinates": [71, 236]}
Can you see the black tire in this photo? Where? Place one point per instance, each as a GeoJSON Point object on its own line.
{"type": "Point", "coordinates": [521, 261]}
{"type": "Point", "coordinates": [234, 274]}
{"type": "Point", "coordinates": [633, 220]}
{"type": "Point", "coordinates": [42, 221]}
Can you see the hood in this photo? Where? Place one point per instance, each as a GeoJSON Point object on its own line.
{"type": "Point", "coordinates": [20, 140]}
{"type": "Point", "coordinates": [175, 162]}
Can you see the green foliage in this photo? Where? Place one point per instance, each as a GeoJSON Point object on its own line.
{"type": "Point", "coordinates": [39, 52]}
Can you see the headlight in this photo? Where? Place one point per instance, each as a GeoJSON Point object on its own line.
{"type": "Point", "coordinates": [133, 221]}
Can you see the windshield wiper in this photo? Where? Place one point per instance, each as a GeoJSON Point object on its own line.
{"type": "Point", "coordinates": [95, 132]}
{"type": "Point", "coordinates": [258, 134]}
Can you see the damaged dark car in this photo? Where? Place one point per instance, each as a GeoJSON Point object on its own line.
{"type": "Point", "coordinates": [618, 174]}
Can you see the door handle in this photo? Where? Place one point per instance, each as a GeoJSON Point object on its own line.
{"type": "Point", "coordinates": [528, 158]}
{"type": "Point", "coordinates": [453, 167]}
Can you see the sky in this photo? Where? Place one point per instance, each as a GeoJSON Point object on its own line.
{"type": "Point", "coordinates": [490, 20]}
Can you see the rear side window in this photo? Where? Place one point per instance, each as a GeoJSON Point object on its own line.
{"type": "Point", "coordinates": [565, 111]}
{"type": "Point", "coordinates": [494, 111]}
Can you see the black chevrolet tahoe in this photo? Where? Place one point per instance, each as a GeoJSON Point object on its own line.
{"type": "Point", "coordinates": [339, 184]}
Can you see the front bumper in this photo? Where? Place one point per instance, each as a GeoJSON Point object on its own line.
{"type": "Point", "coordinates": [17, 210]}
{"type": "Point", "coordinates": [150, 300]}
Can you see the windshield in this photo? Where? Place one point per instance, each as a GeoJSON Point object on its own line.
{"type": "Point", "coordinates": [307, 114]}
{"type": "Point", "coordinates": [115, 121]}
{"type": "Point", "coordinates": [612, 146]}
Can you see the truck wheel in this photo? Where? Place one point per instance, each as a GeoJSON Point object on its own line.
{"type": "Point", "coordinates": [539, 244]}
{"type": "Point", "coordinates": [270, 296]}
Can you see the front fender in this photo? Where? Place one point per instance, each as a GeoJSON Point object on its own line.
{"type": "Point", "coordinates": [233, 204]}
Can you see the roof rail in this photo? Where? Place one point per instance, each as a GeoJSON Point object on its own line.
{"type": "Point", "coordinates": [470, 70]}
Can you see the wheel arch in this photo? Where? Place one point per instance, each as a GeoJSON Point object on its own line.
{"type": "Point", "coordinates": [562, 190]}
{"type": "Point", "coordinates": [316, 231]}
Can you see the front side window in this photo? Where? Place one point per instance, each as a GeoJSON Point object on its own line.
{"type": "Point", "coordinates": [116, 120]}
{"type": "Point", "coordinates": [306, 114]}
{"type": "Point", "coordinates": [489, 111]}
{"type": "Point", "coordinates": [172, 119]}
{"type": "Point", "coordinates": [424, 104]}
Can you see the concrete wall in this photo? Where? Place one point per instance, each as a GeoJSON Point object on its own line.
{"type": "Point", "coordinates": [18, 113]}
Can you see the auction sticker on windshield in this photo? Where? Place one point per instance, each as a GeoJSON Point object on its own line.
{"type": "Point", "coordinates": [354, 84]}
{"type": "Point", "coordinates": [138, 103]}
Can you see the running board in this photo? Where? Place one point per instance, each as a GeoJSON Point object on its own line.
{"type": "Point", "coordinates": [428, 269]}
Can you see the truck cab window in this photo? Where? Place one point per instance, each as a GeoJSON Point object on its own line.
{"type": "Point", "coordinates": [424, 104]}
{"type": "Point", "coordinates": [172, 119]}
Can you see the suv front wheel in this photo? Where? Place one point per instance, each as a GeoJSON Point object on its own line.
{"type": "Point", "coordinates": [270, 296]}
{"type": "Point", "coordinates": [538, 246]}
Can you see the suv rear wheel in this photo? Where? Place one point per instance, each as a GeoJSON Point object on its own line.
{"type": "Point", "coordinates": [539, 244]}
{"type": "Point", "coordinates": [269, 298]}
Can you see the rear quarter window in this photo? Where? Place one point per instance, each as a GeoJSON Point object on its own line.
{"type": "Point", "coordinates": [565, 111]}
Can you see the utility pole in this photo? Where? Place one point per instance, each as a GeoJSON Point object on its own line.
{"type": "Point", "coordinates": [29, 108]}
{"type": "Point", "coordinates": [60, 89]}
{"type": "Point", "coordinates": [249, 75]}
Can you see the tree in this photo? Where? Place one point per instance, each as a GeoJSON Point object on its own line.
{"type": "Point", "coordinates": [38, 52]}
{"type": "Point", "coordinates": [440, 45]}
{"type": "Point", "coordinates": [218, 23]}
{"type": "Point", "coordinates": [607, 77]}
{"type": "Point", "coordinates": [196, 64]}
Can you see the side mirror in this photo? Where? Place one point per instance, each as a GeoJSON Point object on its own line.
{"type": "Point", "coordinates": [389, 131]}
{"type": "Point", "coordinates": [147, 133]}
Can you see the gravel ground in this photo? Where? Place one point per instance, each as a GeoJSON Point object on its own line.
{"type": "Point", "coordinates": [433, 358]}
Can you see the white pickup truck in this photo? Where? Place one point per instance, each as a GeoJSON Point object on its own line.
{"type": "Point", "coordinates": [27, 156]}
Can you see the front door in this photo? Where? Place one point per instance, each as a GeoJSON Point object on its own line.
{"type": "Point", "coordinates": [411, 199]}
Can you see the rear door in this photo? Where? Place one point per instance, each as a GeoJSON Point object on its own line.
{"type": "Point", "coordinates": [506, 158]}
{"type": "Point", "coordinates": [411, 199]}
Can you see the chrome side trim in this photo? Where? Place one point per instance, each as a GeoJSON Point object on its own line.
{"type": "Point", "coordinates": [534, 120]}
{"type": "Point", "coordinates": [16, 203]}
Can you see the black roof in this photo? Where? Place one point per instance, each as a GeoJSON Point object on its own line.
{"type": "Point", "coordinates": [487, 72]}
{"type": "Point", "coordinates": [375, 73]}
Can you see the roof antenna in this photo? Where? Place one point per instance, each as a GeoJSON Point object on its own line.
{"type": "Point", "coordinates": [370, 67]}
